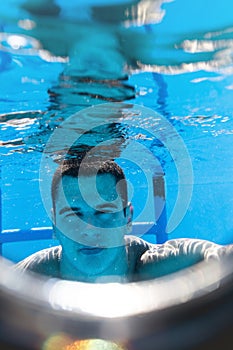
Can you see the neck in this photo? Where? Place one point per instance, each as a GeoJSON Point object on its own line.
{"type": "Point", "coordinates": [116, 272]}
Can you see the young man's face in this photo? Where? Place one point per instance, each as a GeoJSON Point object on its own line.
{"type": "Point", "coordinates": [91, 223]}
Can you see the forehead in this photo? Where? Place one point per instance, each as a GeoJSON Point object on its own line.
{"type": "Point", "coordinates": [93, 189]}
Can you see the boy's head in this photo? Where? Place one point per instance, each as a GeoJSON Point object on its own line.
{"type": "Point", "coordinates": [91, 215]}
{"type": "Point", "coordinates": [75, 168]}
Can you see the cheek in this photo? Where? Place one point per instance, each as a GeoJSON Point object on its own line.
{"type": "Point", "coordinates": [118, 220]}
{"type": "Point", "coordinates": [113, 237]}
{"type": "Point", "coordinates": [69, 245]}
{"type": "Point", "coordinates": [70, 224]}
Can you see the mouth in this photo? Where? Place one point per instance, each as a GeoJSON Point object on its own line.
{"type": "Point", "coordinates": [91, 250]}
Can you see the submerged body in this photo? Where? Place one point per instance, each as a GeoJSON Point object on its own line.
{"type": "Point", "coordinates": [93, 223]}
{"type": "Point", "coordinates": [144, 260]}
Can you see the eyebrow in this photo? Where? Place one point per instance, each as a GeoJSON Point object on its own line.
{"type": "Point", "coordinates": [65, 209]}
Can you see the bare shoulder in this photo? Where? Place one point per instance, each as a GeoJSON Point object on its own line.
{"type": "Point", "coordinates": [177, 254]}
{"type": "Point", "coordinates": [45, 261]}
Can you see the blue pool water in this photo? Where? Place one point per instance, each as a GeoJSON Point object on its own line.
{"type": "Point", "coordinates": [179, 59]}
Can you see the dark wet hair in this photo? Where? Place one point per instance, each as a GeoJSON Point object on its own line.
{"type": "Point", "coordinates": [74, 168]}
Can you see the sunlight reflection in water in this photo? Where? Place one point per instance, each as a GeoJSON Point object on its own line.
{"type": "Point", "coordinates": [63, 342]}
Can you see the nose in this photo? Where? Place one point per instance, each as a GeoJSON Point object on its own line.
{"type": "Point", "coordinates": [90, 233]}
{"type": "Point", "coordinates": [89, 223]}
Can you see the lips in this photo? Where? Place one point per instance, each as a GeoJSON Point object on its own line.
{"type": "Point", "coordinates": [91, 250]}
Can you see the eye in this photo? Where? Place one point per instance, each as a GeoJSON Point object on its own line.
{"type": "Point", "coordinates": [103, 212]}
{"type": "Point", "coordinates": [74, 214]}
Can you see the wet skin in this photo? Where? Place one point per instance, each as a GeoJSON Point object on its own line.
{"type": "Point", "coordinates": [91, 225]}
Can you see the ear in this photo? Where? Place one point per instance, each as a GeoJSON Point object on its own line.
{"type": "Point", "coordinates": [54, 224]}
{"type": "Point", "coordinates": [129, 217]}
{"type": "Point", "coordinates": [52, 216]}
